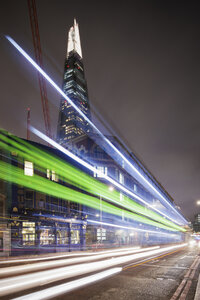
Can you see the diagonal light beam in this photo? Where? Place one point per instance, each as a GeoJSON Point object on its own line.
{"type": "Point", "coordinates": [44, 74]}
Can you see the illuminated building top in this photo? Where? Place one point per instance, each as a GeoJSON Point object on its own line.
{"type": "Point", "coordinates": [70, 123]}
{"type": "Point", "coordinates": [74, 43]}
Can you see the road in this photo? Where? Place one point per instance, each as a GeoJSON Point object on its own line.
{"type": "Point", "coordinates": [150, 273]}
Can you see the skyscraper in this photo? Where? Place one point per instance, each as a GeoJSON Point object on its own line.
{"type": "Point", "coordinates": [70, 123]}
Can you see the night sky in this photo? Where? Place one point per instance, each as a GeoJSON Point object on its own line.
{"type": "Point", "coordinates": [142, 64]}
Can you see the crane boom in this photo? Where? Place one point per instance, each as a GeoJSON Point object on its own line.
{"type": "Point", "coordinates": [38, 56]}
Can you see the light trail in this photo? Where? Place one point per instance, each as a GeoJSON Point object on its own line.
{"type": "Point", "coordinates": [23, 282]}
{"type": "Point", "coordinates": [66, 255]}
{"type": "Point", "coordinates": [70, 286]}
{"type": "Point", "coordinates": [72, 175]}
{"type": "Point", "coordinates": [16, 175]}
{"type": "Point", "coordinates": [93, 169]}
{"type": "Point", "coordinates": [64, 262]}
{"type": "Point", "coordinates": [130, 228]}
{"type": "Point", "coordinates": [52, 83]}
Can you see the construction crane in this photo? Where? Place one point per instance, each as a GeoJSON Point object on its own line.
{"type": "Point", "coordinates": [38, 57]}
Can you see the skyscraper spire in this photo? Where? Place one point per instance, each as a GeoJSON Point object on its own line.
{"type": "Point", "coordinates": [70, 124]}
{"type": "Point", "coordinates": [74, 42]}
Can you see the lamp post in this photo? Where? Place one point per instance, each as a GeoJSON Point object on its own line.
{"type": "Point", "coordinates": [100, 215]}
{"type": "Point", "coordinates": [111, 188]}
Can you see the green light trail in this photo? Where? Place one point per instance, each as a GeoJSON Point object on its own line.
{"type": "Point", "coordinates": [41, 184]}
{"type": "Point", "coordinates": [70, 174]}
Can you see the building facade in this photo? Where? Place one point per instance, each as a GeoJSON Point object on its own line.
{"type": "Point", "coordinates": [196, 223]}
{"type": "Point", "coordinates": [49, 203]}
{"type": "Point", "coordinates": [33, 221]}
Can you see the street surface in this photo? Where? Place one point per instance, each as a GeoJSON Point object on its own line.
{"type": "Point", "coordinates": [128, 273]}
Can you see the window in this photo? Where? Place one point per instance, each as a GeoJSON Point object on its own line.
{"type": "Point", "coordinates": [1, 208]}
{"type": "Point", "coordinates": [28, 197]}
{"type": "Point", "coordinates": [28, 233]}
{"type": "Point", "coordinates": [74, 208]}
{"type": "Point", "coordinates": [28, 168]}
{"type": "Point", "coordinates": [98, 152]}
{"type": "Point", "coordinates": [103, 170]}
{"type": "Point", "coordinates": [75, 234]}
{"type": "Point", "coordinates": [52, 175]}
{"type": "Point", "coordinates": [47, 237]}
{"type": "Point", "coordinates": [80, 88]}
{"type": "Point", "coordinates": [41, 203]}
{"type": "Point", "coordinates": [101, 234]}
{"type": "Point", "coordinates": [121, 178]}
{"type": "Point", "coordinates": [1, 241]}
{"type": "Point", "coordinates": [62, 237]}
{"type": "Point", "coordinates": [78, 66]}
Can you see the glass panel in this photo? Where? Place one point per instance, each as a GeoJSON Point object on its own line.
{"type": "Point", "coordinates": [28, 168]}
{"type": "Point", "coordinates": [62, 237]}
{"type": "Point", "coordinates": [47, 237]}
{"type": "Point", "coordinates": [75, 236]}
{"type": "Point", "coordinates": [28, 233]}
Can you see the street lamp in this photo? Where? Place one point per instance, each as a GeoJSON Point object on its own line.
{"type": "Point", "coordinates": [111, 188]}
{"type": "Point", "coordinates": [198, 202]}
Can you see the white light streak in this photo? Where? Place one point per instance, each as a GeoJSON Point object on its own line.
{"type": "Point", "coordinates": [70, 286]}
{"type": "Point", "coordinates": [192, 243]}
{"type": "Point", "coordinates": [93, 169]}
{"type": "Point", "coordinates": [130, 228]}
{"type": "Point", "coordinates": [67, 255]}
{"type": "Point", "coordinates": [20, 283]}
{"type": "Point", "coordinates": [52, 83]}
{"type": "Point", "coordinates": [64, 262]}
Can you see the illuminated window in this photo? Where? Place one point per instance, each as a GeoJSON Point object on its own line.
{"type": "Point", "coordinates": [28, 233]}
{"type": "Point", "coordinates": [28, 168]}
{"type": "Point", "coordinates": [14, 153]}
{"type": "Point", "coordinates": [103, 170]}
{"type": "Point", "coordinates": [62, 237]}
{"type": "Point", "coordinates": [28, 224]}
{"type": "Point", "coordinates": [101, 234]}
{"type": "Point", "coordinates": [52, 175]}
{"type": "Point", "coordinates": [80, 88]}
{"type": "Point", "coordinates": [75, 235]}
{"type": "Point", "coordinates": [47, 236]}
{"type": "Point", "coordinates": [121, 178]}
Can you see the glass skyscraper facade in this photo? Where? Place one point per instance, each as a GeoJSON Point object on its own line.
{"type": "Point", "coordinates": [71, 124]}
